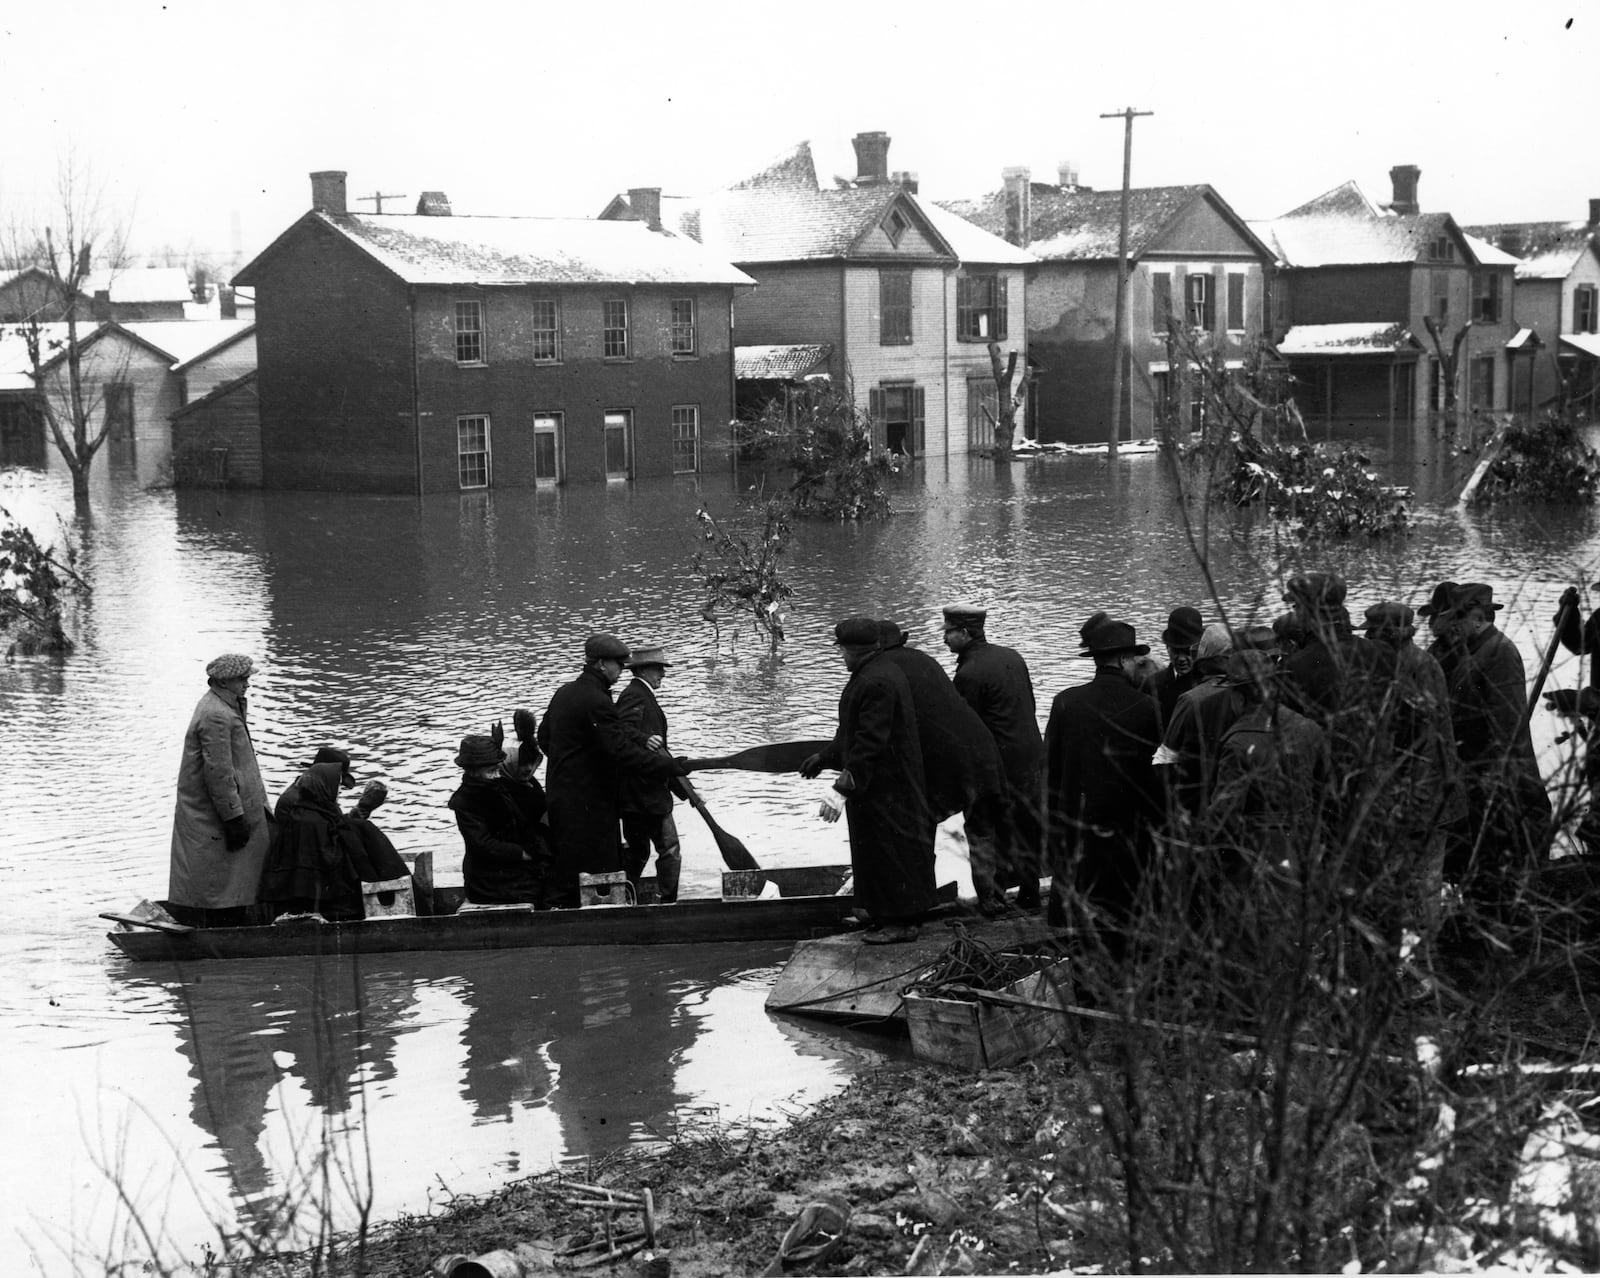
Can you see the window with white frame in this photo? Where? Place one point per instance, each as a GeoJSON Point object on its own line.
{"type": "Point", "coordinates": [1235, 301]}
{"type": "Point", "coordinates": [469, 332]}
{"type": "Point", "coordinates": [1585, 308]}
{"type": "Point", "coordinates": [1199, 305]}
{"type": "Point", "coordinates": [546, 325]}
{"type": "Point", "coordinates": [472, 451]}
{"type": "Point", "coordinates": [1486, 297]}
{"type": "Point", "coordinates": [683, 334]}
{"type": "Point", "coordinates": [547, 448]}
{"type": "Point", "coordinates": [619, 444]}
{"type": "Point", "coordinates": [685, 439]}
{"type": "Point", "coordinates": [614, 328]}
{"type": "Point", "coordinates": [981, 308]}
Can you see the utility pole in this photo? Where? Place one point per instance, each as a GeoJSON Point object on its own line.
{"type": "Point", "coordinates": [377, 198]}
{"type": "Point", "coordinates": [1119, 339]}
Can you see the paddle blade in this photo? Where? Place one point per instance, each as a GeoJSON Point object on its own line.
{"type": "Point", "coordinates": [734, 853]}
{"type": "Point", "coordinates": [781, 756]}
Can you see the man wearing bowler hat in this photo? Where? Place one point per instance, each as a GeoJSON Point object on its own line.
{"type": "Point", "coordinates": [589, 749]}
{"type": "Point", "coordinates": [647, 801]}
{"type": "Point", "coordinates": [882, 787]}
{"type": "Point", "coordinates": [1182, 637]}
{"type": "Point", "coordinates": [1004, 836]}
{"type": "Point", "coordinates": [1508, 808]}
{"type": "Point", "coordinates": [1102, 796]}
{"type": "Point", "coordinates": [1446, 644]}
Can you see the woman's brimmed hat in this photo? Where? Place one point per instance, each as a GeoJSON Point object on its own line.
{"type": "Point", "coordinates": [330, 754]}
{"type": "Point", "coordinates": [478, 751]}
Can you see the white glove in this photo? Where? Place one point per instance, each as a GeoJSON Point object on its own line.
{"type": "Point", "coordinates": [832, 805]}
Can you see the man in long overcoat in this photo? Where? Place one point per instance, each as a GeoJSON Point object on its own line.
{"type": "Point", "coordinates": [994, 680]}
{"type": "Point", "coordinates": [1102, 795]}
{"type": "Point", "coordinates": [882, 787]}
{"type": "Point", "coordinates": [647, 801]}
{"type": "Point", "coordinates": [589, 749]}
{"type": "Point", "coordinates": [220, 825]}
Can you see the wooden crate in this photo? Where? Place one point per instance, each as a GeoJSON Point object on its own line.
{"type": "Point", "coordinates": [604, 889]}
{"type": "Point", "coordinates": [388, 898]}
{"type": "Point", "coordinates": [976, 1036]}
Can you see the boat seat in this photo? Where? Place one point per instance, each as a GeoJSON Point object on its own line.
{"type": "Point", "coordinates": [388, 899]}
{"type": "Point", "coordinates": [469, 907]}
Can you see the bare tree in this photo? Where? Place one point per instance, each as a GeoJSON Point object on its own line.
{"type": "Point", "coordinates": [74, 246]}
{"type": "Point", "coordinates": [1450, 367]}
{"type": "Point", "coordinates": [1007, 400]}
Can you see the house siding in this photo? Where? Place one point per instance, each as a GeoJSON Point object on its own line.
{"type": "Point", "coordinates": [922, 362]}
{"type": "Point", "coordinates": [230, 424]}
{"type": "Point", "coordinates": [233, 361]}
{"type": "Point", "coordinates": [794, 304]}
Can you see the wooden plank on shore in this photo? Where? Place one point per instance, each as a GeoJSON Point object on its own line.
{"type": "Point", "coordinates": [1491, 453]}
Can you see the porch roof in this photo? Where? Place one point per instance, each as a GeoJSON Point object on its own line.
{"type": "Point", "coordinates": [1360, 339]}
{"type": "Point", "coordinates": [1585, 343]}
{"type": "Point", "coordinates": [778, 363]}
{"type": "Point", "coordinates": [1524, 339]}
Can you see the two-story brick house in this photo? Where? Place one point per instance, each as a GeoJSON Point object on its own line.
{"type": "Point", "coordinates": [1189, 255]}
{"type": "Point", "coordinates": [1356, 288]}
{"type": "Point", "coordinates": [904, 295]}
{"type": "Point", "coordinates": [1557, 300]}
{"type": "Point", "coordinates": [430, 352]}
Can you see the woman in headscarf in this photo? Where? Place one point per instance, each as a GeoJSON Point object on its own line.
{"type": "Point", "coordinates": [318, 859]}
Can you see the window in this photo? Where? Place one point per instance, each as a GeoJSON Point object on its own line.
{"type": "Point", "coordinates": [1441, 249]}
{"type": "Point", "coordinates": [547, 448]}
{"type": "Point", "coordinates": [546, 331]}
{"type": "Point", "coordinates": [901, 408]}
{"type": "Point", "coordinates": [1483, 384]}
{"type": "Point", "coordinates": [615, 334]}
{"type": "Point", "coordinates": [894, 308]}
{"type": "Point", "coordinates": [685, 439]}
{"type": "Point", "coordinates": [119, 409]}
{"type": "Point", "coordinates": [1235, 302]}
{"type": "Point", "coordinates": [683, 326]}
{"type": "Point", "coordinates": [1486, 297]}
{"type": "Point", "coordinates": [1160, 302]}
{"type": "Point", "coordinates": [469, 332]}
{"type": "Point", "coordinates": [981, 308]}
{"type": "Point", "coordinates": [619, 444]}
{"type": "Point", "coordinates": [472, 451]}
{"type": "Point", "coordinates": [1439, 283]}
{"type": "Point", "coordinates": [983, 411]}
{"type": "Point", "coordinates": [1198, 301]}
{"type": "Point", "coordinates": [895, 226]}
{"type": "Point", "coordinates": [1584, 307]}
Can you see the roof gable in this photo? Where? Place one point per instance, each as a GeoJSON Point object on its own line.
{"type": "Point", "coordinates": [109, 330]}
{"type": "Point", "coordinates": [788, 224]}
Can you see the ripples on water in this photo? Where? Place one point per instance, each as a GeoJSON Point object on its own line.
{"type": "Point", "coordinates": [394, 626]}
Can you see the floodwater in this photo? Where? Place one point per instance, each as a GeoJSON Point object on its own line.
{"type": "Point", "coordinates": [392, 626]}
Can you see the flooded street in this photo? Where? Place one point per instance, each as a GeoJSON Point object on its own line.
{"type": "Point", "coordinates": [391, 627]}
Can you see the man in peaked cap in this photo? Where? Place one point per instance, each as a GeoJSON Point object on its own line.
{"type": "Point", "coordinates": [1508, 807]}
{"type": "Point", "coordinates": [1005, 836]}
{"type": "Point", "coordinates": [1102, 797]}
{"type": "Point", "coordinates": [220, 823]}
{"type": "Point", "coordinates": [647, 801]}
{"type": "Point", "coordinates": [881, 788]}
{"type": "Point", "coordinates": [589, 748]}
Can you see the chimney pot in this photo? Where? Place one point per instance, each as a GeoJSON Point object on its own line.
{"type": "Point", "coordinates": [102, 304]}
{"type": "Point", "coordinates": [905, 179]}
{"type": "Point", "coordinates": [645, 201]}
{"type": "Point", "coordinates": [227, 308]}
{"type": "Point", "coordinates": [328, 191]}
{"type": "Point", "coordinates": [872, 158]}
{"type": "Point", "coordinates": [1405, 178]}
{"type": "Point", "coordinates": [433, 204]}
{"type": "Point", "coordinates": [1594, 214]}
{"type": "Point", "coordinates": [1512, 240]}
{"type": "Point", "coordinates": [1018, 204]}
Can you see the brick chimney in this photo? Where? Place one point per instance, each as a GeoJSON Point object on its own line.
{"type": "Point", "coordinates": [227, 307]}
{"type": "Point", "coordinates": [1018, 205]}
{"type": "Point", "coordinates": [102, 304]}
{"type": "Point", "coordinates": [1067, 175]}
{"type": "Point", "coordinates": [1513, 239]}
{"type": "Point", "coordinates": [645, 201]}
{"type": "Point", "coordinates": [872, 158]}
{"type": "Point", "coordinates": [906, 180]}
{"type": "Point", "coordinates": [1405, 177]}
{"type": "Point", "coordinates": [328, 191]}
{"type": "Point", "coordinates": [1594, 214]}
{"type": "Point", "coordinates": [433, 204]}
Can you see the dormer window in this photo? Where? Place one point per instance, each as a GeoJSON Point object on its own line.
{"type": "Point", "coordinates": [895, 226]}
{"type": "Point", "coordinates": [1441, 249]}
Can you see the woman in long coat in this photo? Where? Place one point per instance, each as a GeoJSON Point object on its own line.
{"type": "Point", "coordinates": [318, 859]}
{"type": "Point", "coordinates": [220, 829]}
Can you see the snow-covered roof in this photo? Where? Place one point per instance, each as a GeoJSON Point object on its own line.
{"type": "Point", "coordinates": [527, 250]}
{"type": "Point", "coordinates": [971, 242]}
{"type": "Point", "coordinates": [1376, 338]}
{"type": "Point", "coordinates": [1487, 254]}
{"type": "Point", "coordinates": [1523, 339]}
{"type": "Point", "coordinates": [189, 340]}
{"type": "Point", "coordinates": [142, 284]}
{"type": "Point", "coordinates": [1588, 343]}
{"type": "Point", "coordinates": [778, 363]}
{"type": "Point", "coordinates": [1342, 239]}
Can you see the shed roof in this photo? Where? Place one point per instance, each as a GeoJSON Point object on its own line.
{"type": "Point", "coordinates": [778, 363]}
{"type": "Point", "coordinates": [1378, 337]}
{"type": "Point", "coordinates": [521, 250]}
{"type": "Point", "coordinates": [219, 391]}
{"type": "Point", "coordinates": [1588, 343]}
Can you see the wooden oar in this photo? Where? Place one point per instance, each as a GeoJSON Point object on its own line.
{"type": "Point", "coordinates": [781, 756]}
{"type": "Point", "coordinates": [734, 853]}
{"type": "Point", "coordinates": [1544, 666]}
{"type": "Point", "coordinates": [159, 925]}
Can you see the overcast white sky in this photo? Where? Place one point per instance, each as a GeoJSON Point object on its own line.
{"type": "Point", "coordinates": [196, 116]}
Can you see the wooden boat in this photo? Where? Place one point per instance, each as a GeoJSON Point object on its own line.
{"type": "Point", "coordinates": [809, 903]}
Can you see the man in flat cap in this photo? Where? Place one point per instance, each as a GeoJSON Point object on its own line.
{"type": "Point", "coordinates": [882, 787]}
{"type": "Point", "coordinates": [647, 801]}
{"type": "Point", "coordinates": [220, 825]}
{"type": "Point", "coordinates": [1005, 837]}
{"type": "Point", "coordinates": [589, 750]}
{"type": "Point", "coordinates": [1102, 796]}
{"type": "Point", "coordinates": [1508, 807]}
